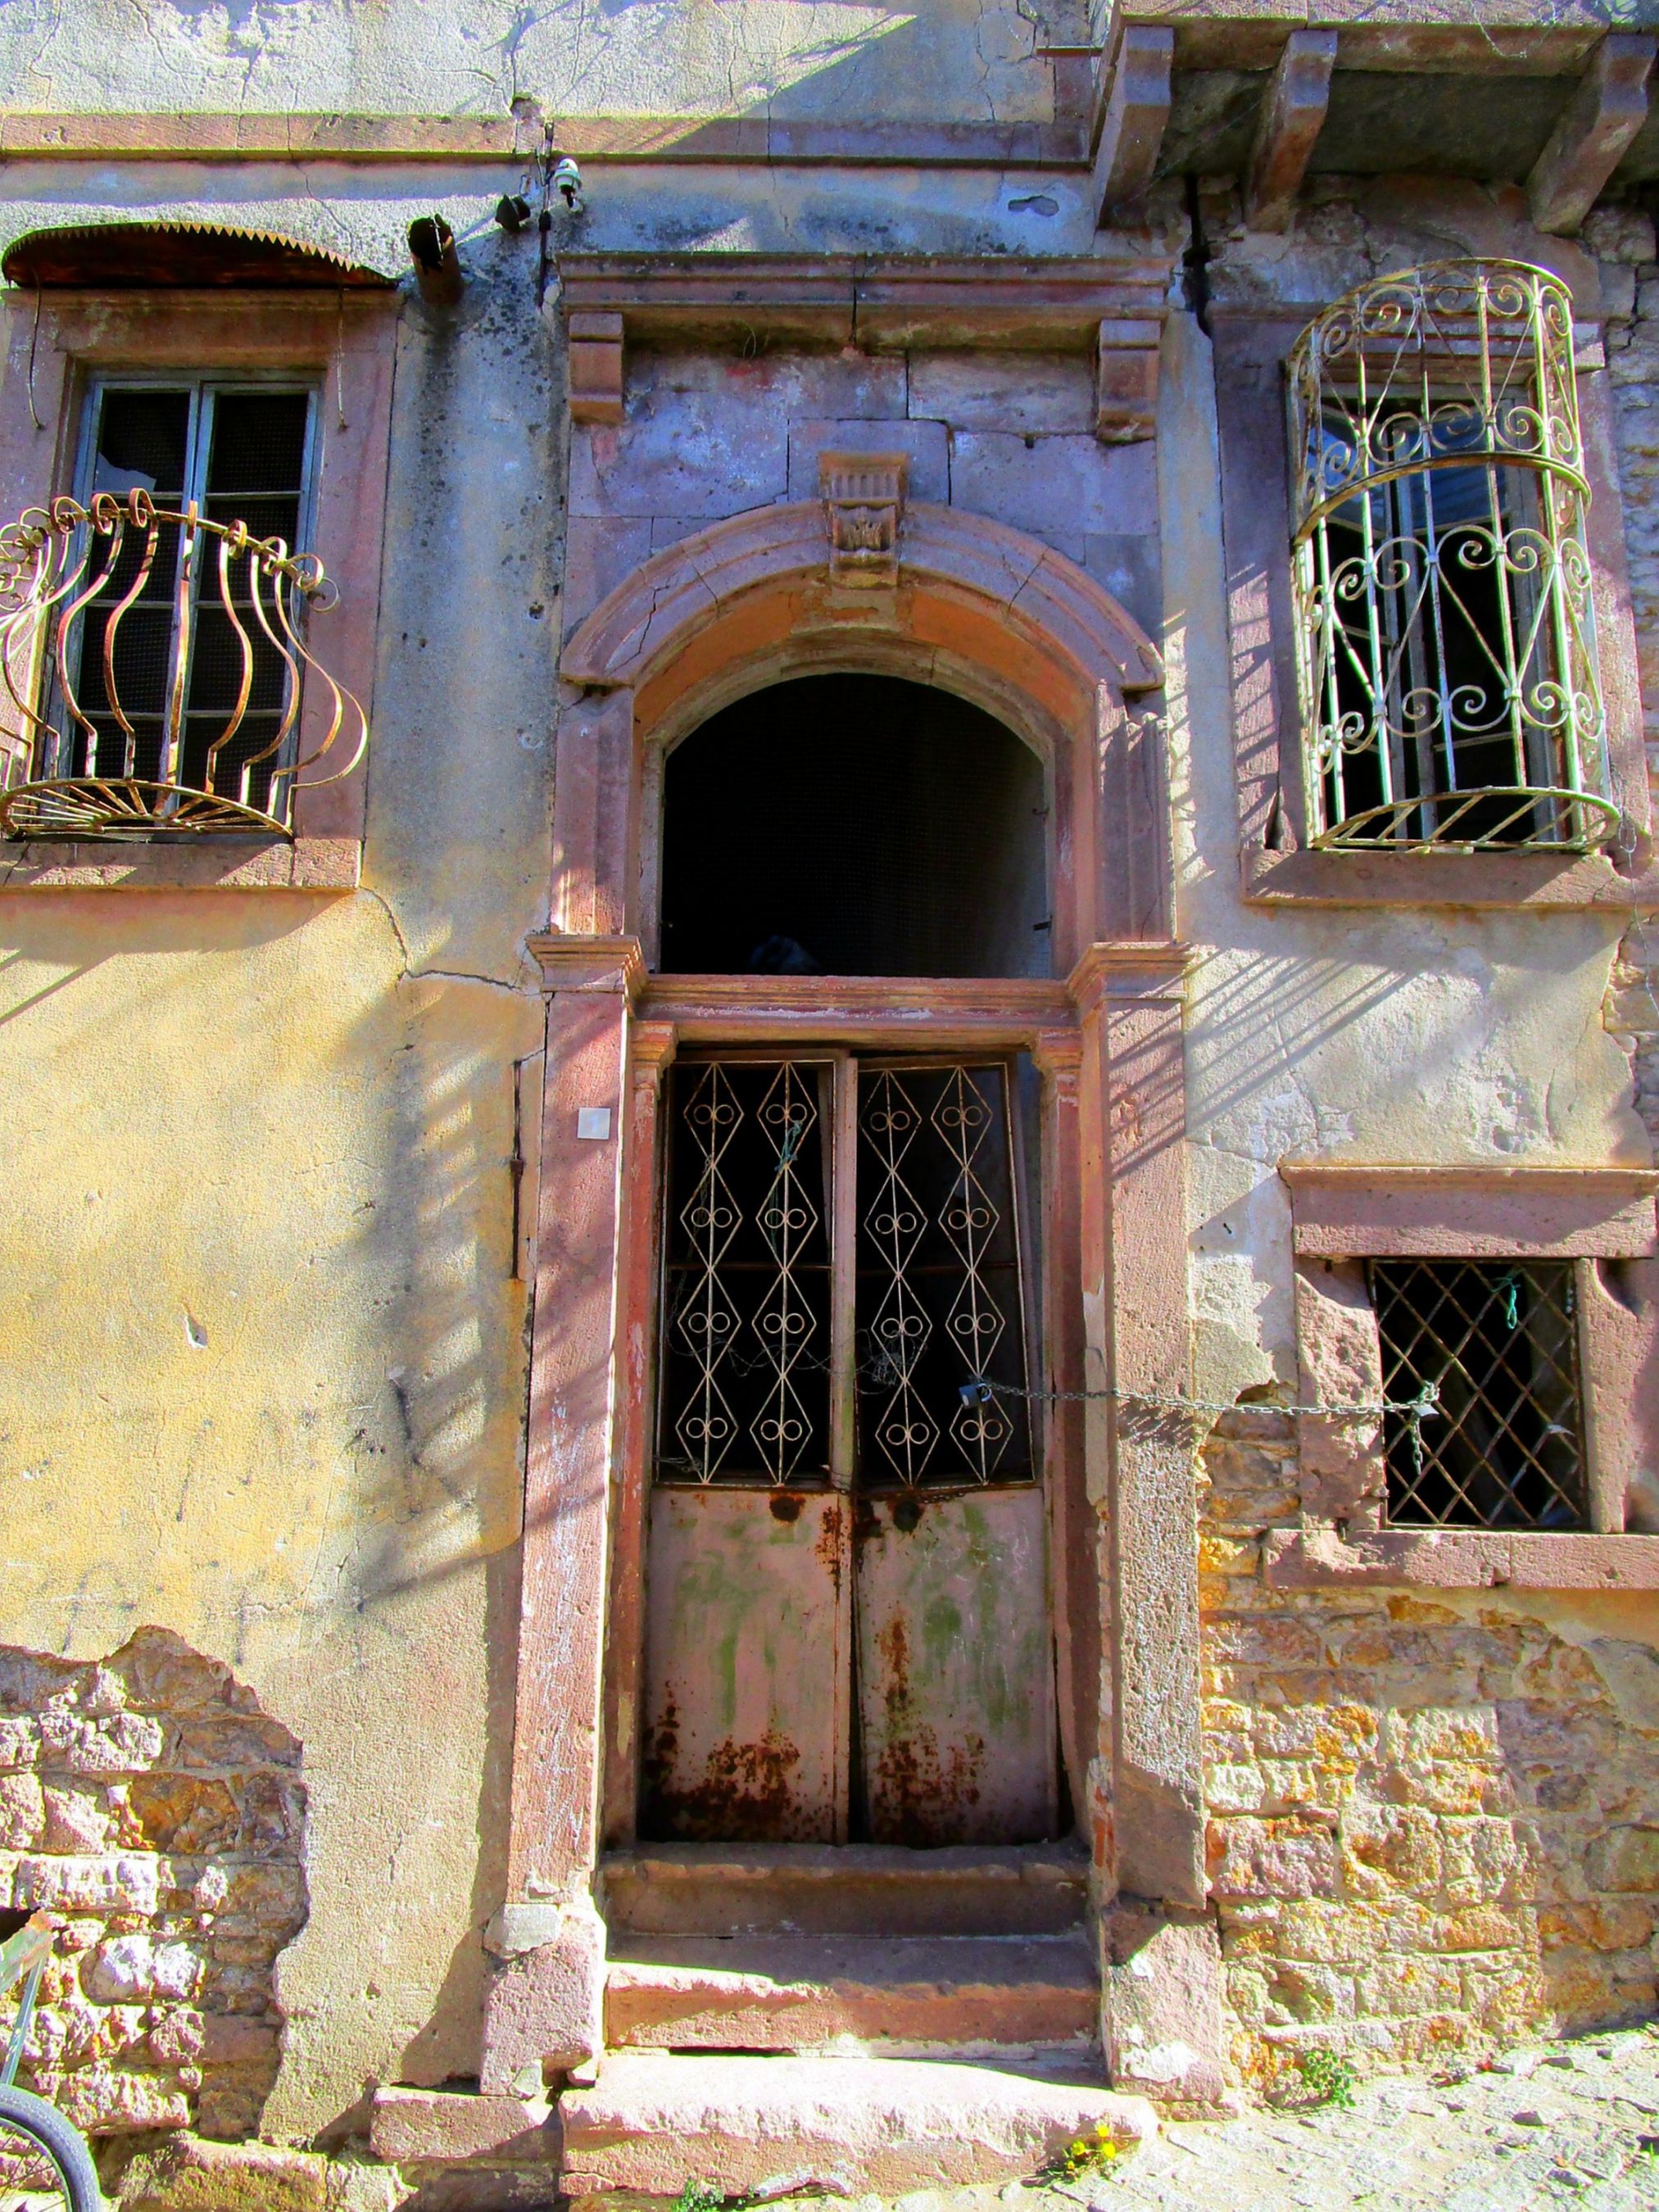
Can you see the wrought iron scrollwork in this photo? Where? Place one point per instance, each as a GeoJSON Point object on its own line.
{"type": "Point", "coordinates": [116, 718]}
{"type": "Point", "coordinates": [1444, 588]}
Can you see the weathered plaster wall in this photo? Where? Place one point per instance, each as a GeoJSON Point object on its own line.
{"type": "Point", "coordinates": [265, 1380]}
{"type": "Point", "coordinates": [937, 60]}
{"type": "Point", "coordinates": [1433, 1825]}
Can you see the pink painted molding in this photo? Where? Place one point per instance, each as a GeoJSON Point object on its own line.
{"type": "Point", "coordinates": [1459, 1558]}
{"type": "Point", "coordinates": [650, 616]}
{"type": "Point", "coordinates": [201, 864]}
{"type": "Point", "coordinates": [1473, 1211]}
{"type": "Point", "coordinates": [771, 1009]}
{"type": "Point", "coordinates": [861, 300]}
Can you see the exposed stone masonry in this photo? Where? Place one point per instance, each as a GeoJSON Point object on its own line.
{"type": "Point", "coordinates": [1434, 1823]}
{"type": "Point", "coordinates": [148, 1800]}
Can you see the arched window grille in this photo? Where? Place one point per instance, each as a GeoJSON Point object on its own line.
{"type": "Point", "coordinates": [1447, 640]}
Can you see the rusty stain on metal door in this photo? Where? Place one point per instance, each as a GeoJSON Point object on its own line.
{"type": "Point", "coordinates": [845, 1522]}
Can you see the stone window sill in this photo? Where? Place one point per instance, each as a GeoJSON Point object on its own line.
{"type": "Point", "coordinates": [207, 863]}
{"type": "Point", "coordinates": [1511, 881]}
{"type": "Point", "coordinates": [1459, 1558]}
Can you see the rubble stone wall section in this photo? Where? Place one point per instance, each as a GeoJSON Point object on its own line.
{"type": "Point", "coordinates": [1433, 1821]}
{"type": "Point", "coordinates": [147, 1800]}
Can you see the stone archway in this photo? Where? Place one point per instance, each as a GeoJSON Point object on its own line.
{"type": "Point", "coordinates": [858, 582]}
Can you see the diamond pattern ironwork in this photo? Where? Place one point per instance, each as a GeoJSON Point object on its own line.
{"type": "Point", "coordinates": [744, 1321]}
{"type": "Point", "coordinates": [938, 1277]}
{"type": "Point", "coordinates": [1504, 1448]}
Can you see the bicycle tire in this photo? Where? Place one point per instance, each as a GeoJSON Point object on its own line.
{"type": "Point", "coordinates": [60, 2141]}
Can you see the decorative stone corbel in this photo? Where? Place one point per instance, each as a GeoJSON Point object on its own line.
{"type": "Point", "coordinates": [596, 367]}
{"type": "Point", "coordinates": [1126, 382]}
{"type": "Point", "coordinates": [863, 496]}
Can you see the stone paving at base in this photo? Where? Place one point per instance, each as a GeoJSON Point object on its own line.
{"type": "Point", "coordinates": [1574, 2123]}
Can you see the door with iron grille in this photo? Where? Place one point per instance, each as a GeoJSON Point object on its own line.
{"type": "Point", "coordinates": [847, 1618]}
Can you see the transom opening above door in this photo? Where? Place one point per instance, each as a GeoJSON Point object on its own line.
{"type": "Point", "coordinates": [844, 1266]}
{"type": "Point", "coordinates": [854, 825]}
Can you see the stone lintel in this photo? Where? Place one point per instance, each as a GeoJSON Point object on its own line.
{"type": "Point", "coordinates": [1470, 1210]}
{"type": "Point", "coordinates": [1458, 1559]}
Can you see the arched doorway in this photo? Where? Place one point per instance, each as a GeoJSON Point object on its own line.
{"type": "Point", "coordinates": [992, 617]}
{"type": "Point", "coordinates": [853, 824]}
{"type": "Point", "coordinates": [847, 1484]}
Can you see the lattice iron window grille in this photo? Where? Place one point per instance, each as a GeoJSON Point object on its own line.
{"type": "Point", "coordinates": [153, 661]}
{"type": "Point", "coordinates": [774, 1298]}
{"type": "Point", "coordinates": [1503, 1448]}
{"type": "Point", "coordinates": [1446, 635]}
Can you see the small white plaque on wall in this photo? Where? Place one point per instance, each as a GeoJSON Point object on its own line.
{"type": "Point", "coordinates": [594, 1122]}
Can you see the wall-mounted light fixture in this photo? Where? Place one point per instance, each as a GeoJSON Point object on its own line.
{"type": "Point", "coordinates": [567, 183]}
{"type": "Point", "coordinates": [512, 211]}
{"type": "Point", "coordinates": [437, 264]}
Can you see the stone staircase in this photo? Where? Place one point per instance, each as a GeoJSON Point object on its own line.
{"type": "Point", "coordinates": [784, 2019]}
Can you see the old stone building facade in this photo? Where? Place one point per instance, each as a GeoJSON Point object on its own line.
{"type": "Point", "coordinates": [831, 1154]}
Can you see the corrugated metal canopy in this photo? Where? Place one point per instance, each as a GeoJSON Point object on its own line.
{"type": "Point", "coordinates": [146, 256]}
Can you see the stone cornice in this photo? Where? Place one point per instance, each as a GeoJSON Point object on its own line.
{"type": "Point", "coordinates": [569, 962]}
{"type": "Point", "coordinates": [1131, 968]}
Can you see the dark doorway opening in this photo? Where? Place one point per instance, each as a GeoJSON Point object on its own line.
{"type": "Point", "coordinates": [854, 825]}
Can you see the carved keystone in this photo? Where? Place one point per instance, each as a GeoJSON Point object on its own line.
{"type": "Point", "coordinates": [863, 496]}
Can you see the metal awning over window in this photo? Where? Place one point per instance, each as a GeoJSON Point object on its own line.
{"type": "Point", "coordinates": [1443, 590]}
{"type": "Point", "coordinates": [126, 257]}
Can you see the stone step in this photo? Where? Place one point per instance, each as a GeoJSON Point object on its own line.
{"type": "Point", "coordinates": [653, 2122]}
{"type": "Point", "coordinates": [801, 1992]}
{"type": "Point", "coordinates": [849, 1889]}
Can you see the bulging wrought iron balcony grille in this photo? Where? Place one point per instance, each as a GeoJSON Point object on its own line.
{"type": "Point", "coordinates": [1443, 586]}
{"type": "Point", "coordinates": [155, 668]}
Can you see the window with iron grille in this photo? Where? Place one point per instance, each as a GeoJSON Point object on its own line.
{"type": "Point", "coordinates": [238, 453]}
{"type": "Point", "coordinates": [1442, 581]}
{"type": "Point", "coordinates": [1504, 1446]}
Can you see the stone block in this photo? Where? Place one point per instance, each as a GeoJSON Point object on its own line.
{"type": "Point", "coordinates": [1282, 1858]}
{"type": "Point", "coordinates": [1048, 394]}
{"type": "Point", "coordinates": [1626, 1858]}
{"type": "Point", "coordinates": [1161, 2008]}
{"type": "Point", "coordinates": [545, 2007]}
{"type": "Point", "coordinates": [438, 2127]}
{"type": "Point", "coordinates": [700, 453]}
{"type": "Point", "coordinates": [22, 1812]}
{"type": "Point", "coordinates": [1055, 486]}
{"type": "Point", "coordinates": [186, 2175]}
{"type": "Point", "coordinates": [924, 445]}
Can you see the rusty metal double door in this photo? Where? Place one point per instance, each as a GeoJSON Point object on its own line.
{"type": "Point", "coordinates": [848, 1620]}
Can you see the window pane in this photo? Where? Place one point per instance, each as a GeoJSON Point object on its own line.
{"type": "Point", "coordinates": [143, 444]}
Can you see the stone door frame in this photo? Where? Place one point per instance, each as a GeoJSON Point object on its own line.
{"type": "Point", "coordinates": [980, 610]}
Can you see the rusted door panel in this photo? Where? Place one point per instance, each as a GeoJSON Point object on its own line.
{"type": "Point", "coordinates": [955, 1668]}
{"type": "Point", "coordinates": [746, 1689]}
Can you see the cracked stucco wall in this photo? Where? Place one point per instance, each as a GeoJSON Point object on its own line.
{"type": "Point", "coordinates": [1398, 1036]}
{"type": "Point", "coordinates": [936, 60]}
{"type": "Point", "coordinates": [265, 1374]}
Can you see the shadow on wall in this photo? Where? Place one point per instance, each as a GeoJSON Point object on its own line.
{"type": "Point", "coordinates": [153, 1808]}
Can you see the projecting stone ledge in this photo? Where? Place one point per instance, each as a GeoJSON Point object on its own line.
{"type": "Point", "coordinates": [844, 2126]}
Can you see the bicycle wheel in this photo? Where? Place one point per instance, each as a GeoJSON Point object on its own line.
{"type": "Point", "coordinates": [44, 2166]}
